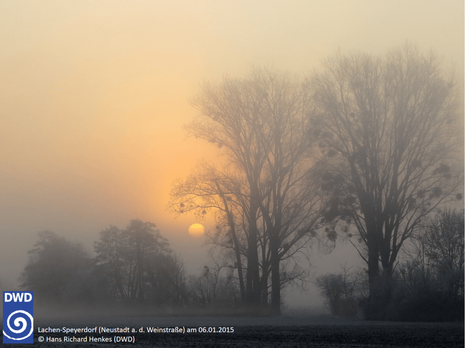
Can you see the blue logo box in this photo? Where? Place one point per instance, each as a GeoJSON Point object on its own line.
{"type": "Point", "coordinates": [18, 320]}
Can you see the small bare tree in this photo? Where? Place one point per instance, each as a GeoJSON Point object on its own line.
{"type": "Point", "coordinates": [208, 189]}
{"type": "Point", "coordinates": [139, 264]}
{"type": "Point", "coordinates": [430, 282]}
{"type": "Point", "coordinates": [342, 291]}
{"type": "Point", "coordinates": [442, 241]}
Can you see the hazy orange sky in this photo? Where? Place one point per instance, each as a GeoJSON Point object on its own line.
{"type": "Point", "coordinates": [93, 96]}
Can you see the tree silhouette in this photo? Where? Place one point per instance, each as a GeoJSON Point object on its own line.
{"type": "Point", "coordinates": [58, 270]}
{"type": "Point", "coordinates": [385, 133]}
{"type": "Point", "coordinates": [207, 188]}
{"type": "Point", "coordinates": [261, 124]}
{"type": "Point", "coordinates": [443, 244]}
{"type": "Point", "coordinates": [140, 264]}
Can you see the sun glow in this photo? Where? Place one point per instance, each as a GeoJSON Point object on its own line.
{"type": "Point", "coordinates": [196, 230]}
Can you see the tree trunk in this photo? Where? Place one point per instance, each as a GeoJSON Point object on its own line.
{"type": "Point", "coordinates": [275, 276]}
{"type": "Point", "coordinates": [373, 265]}
{"type": "Point", "coordinates": [253, 270]}
{"type": "Point", "coordinates": [232, 226]}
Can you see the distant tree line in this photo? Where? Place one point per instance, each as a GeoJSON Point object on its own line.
{"type": "Point", "coordinates": [132, 267]}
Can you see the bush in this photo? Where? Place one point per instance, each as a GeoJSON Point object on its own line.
{"type": "Point", "coordinates": [414, 293]}
{"type": "Point", "coordinates": [342, 292]}
{"type": "Point", "coordinates": [427, 306]}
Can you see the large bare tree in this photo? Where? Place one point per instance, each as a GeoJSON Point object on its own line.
{"type": "Point", "coordinates": [261, 122]}
{"type": "Point", "coordinates": [385, 127]}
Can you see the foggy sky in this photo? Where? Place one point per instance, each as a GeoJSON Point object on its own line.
{"type": "Point", "coordinates": [93, 96]}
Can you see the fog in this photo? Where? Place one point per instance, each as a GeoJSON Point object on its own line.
{"type": "Point", "coordinates": [94, 96]}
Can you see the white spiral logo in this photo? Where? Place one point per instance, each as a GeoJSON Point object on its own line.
{"type": "Point", "coordinates": [20, 322]}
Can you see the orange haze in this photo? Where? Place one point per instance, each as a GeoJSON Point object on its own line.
{"type": "Point", "coordinates": [93, 96]}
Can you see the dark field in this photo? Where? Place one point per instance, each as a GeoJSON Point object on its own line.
{"type": "Point", "coordinates": [305, 336]}
{"type": "Point", "coordinates": [284, 331]}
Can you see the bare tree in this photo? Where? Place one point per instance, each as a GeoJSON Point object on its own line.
{"type": "Point", "coordinates": [208, 189]}
{"type": "Point", "coordinates": [385, 132]}
{"type": "Point", "coordinates": [429, 284]}
{"type": "Point", "coordinates": [110, 260]}
{"type": "Point", "coordinates": [139, 263]}
{"type": "Point", "coordinates": [443, 245]}
{"type": "Point", "coordinates": [261, 124]}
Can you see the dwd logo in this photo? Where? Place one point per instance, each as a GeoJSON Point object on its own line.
{"type": "Point", "coordinates": [18, 321]}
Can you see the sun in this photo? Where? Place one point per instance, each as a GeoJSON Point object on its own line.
{"type": "Point", "coordinates": [196, 230]}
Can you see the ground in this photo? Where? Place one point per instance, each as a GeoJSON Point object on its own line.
{"type": "Point", "coordinates": [289, 330]}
